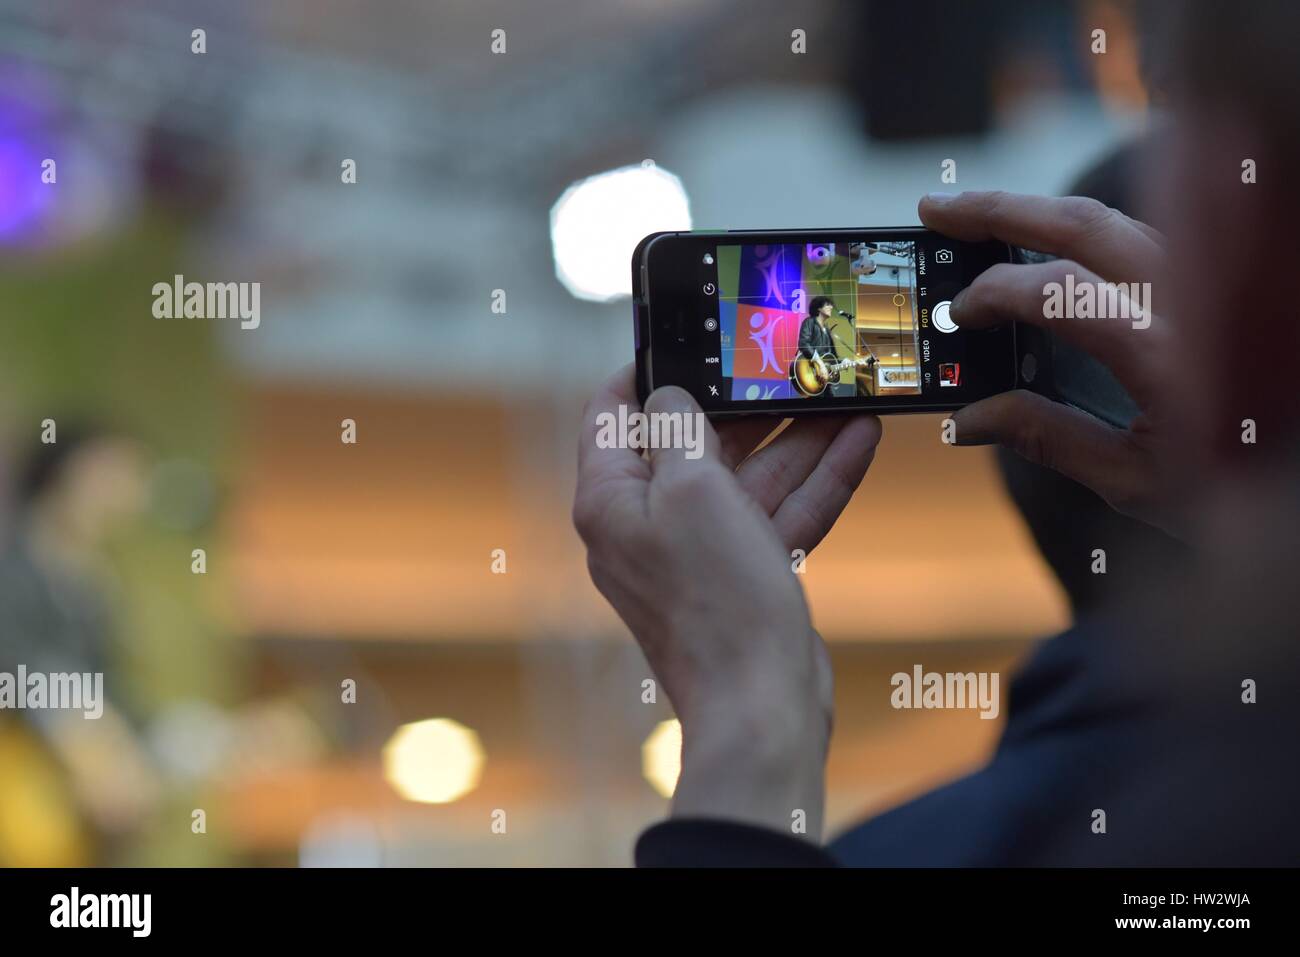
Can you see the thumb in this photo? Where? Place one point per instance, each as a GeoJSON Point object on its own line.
{"type": "Point", "coordinates": [677, 432]}
{"type": "Point", "coordinates": [1048, 433]}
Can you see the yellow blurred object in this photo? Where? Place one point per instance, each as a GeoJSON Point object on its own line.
{"type": "Point", "coordinates": [39, 826]}
{"type": "Point", "coordinates": [661, 757]}
{"type": "Point", "coordinates": [434, 762]}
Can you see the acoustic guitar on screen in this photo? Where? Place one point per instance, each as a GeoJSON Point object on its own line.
{"type": "Point", "coordinates": [812, 376]}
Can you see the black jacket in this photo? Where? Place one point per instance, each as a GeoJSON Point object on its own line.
{"type": "Point", "coordinates": [813, 337]}
{"type": "Point", "coordinates": [1146, 725]}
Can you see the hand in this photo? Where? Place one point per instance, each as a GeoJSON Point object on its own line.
{"type": "Point", "coordinates": [1130, 468]}
{"type": "Point", "coordinates": [695, 556]}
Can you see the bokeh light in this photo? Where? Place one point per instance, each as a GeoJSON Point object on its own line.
{"type": "Point", "coordinates": [436, 761]}
{"type": "Point", "coordinates": [597, 223]}
{"type": "Point", "coordinates": [661, 756]}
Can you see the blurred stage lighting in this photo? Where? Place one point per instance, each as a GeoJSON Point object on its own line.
{"type": "Point", "coordinates": [434, 762]}
{"type": "Point", "coordinates": [23, 197]}
{"type": "Point", "coordinates": [661, 756]}
{"type": "Point", "coordinates": [597, 223]}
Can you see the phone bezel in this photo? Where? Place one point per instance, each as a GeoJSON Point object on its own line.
{"type": "Point", "coordinates": [681, 267]}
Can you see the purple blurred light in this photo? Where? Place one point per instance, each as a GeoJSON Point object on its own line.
{"type": "Point", "coordinates": [25, 111]}
{"type": "Point", "coordinates": [23, 197]}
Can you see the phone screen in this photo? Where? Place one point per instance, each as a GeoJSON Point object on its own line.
{"type": "Point", "coordinates": [838, 319]}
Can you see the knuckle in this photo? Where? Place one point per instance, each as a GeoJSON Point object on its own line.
{"type": "Point", "coordinates": [1084, 216]}
{"type": "Point", "coordinates": [1058, 269]}
{"type": "Point", "coordinates": [844, 481]}
{"type": "Point", "coordinates": [586, 516]}
{"type": "Point", "coordinates": [1033, 441]}
{"type": "Point", "coordinates": [580, 515]}
{"type": "Point", "coordinates": [607, 534]}
{"type": "Point", "coordinates": [997, 275]}
{"type": "Point", "coordinates": [598, 572]}
{"type": "Point", "coordinates": [773, 470]}
{"type": "Point", "coordinates": [592, 516]}
{"type": "Point", "coordinates": [814, 520]}
{"type": "Point", "coordinates": [1130, 482]}
{"type": "Point", "coordinates": [993, 284]}
{"type": "Point", "coordinates": [995, 206]}
{"type": "Point", "coordinates": [1126, 496]}
{"type": "Point", "coordinates": [1056, 273]}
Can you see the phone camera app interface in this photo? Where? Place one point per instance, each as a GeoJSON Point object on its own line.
{"type": "Point", "coordinates": [818, 320]}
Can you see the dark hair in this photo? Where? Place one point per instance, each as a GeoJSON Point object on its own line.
{"type": "Point", "coordinates": [817, 302]}
{"type": "Point", "coordinates": [45, 462]}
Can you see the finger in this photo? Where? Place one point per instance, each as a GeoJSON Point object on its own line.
{"type": "Point", "coordinates": [1072, 227]}
{"type": "Point", "coordinates": [1053, 435]}
{"type": "Point", "coordinates": [741, 436]}
{"type": "Point", "coordinates": [608, 475]}
{"type": "Point", "coordinates": [1032, 293]}
{"type": "Point", "coordinates": [1153, 234]}
{"type": "Point", "coordinates": [781, 466]}
{"type": "Point", "coordinates": [808, 513]}
{"type": "Point", "coordinates": [681, 437]}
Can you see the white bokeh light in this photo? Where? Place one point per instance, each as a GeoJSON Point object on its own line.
{"type": "Point", "coordinates": [598, 221]}
{"type": "Point", "coordinates": [434, 762]}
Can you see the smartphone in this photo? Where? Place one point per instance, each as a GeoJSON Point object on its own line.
{"type": "Point", "coordinates": [797, 321]}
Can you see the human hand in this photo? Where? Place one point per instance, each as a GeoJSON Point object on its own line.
{"type": "Point", "coordinates": [695, 556]}
{"type": "Point", "coordinates": [1132, 469]}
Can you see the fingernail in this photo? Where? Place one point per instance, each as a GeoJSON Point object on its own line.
{"type": "Point", "coordinates": [670, 399]}
{"type": "Point", "coordinates": [940, 197]}
{"type": "Point", "coordinates": [956, 300]}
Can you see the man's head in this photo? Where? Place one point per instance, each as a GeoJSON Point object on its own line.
{"type": "Point", "coordinates": [1225, 193]}
{"type": "Point", "coordinates": [93, 478]}
{"type": "Point", "coordinates": [821, 306]}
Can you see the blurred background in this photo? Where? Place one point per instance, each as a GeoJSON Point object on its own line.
{"type": "Point", "coordinates": [390, 652]}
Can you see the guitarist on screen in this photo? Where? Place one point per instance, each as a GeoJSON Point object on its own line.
{"type": "Point", "coordinates": [815, 333]}
{"type": "Point", "coordinates": [817, 339]}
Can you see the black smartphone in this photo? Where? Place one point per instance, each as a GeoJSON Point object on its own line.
{"type": "Point", "coordinates": [814, 320]}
